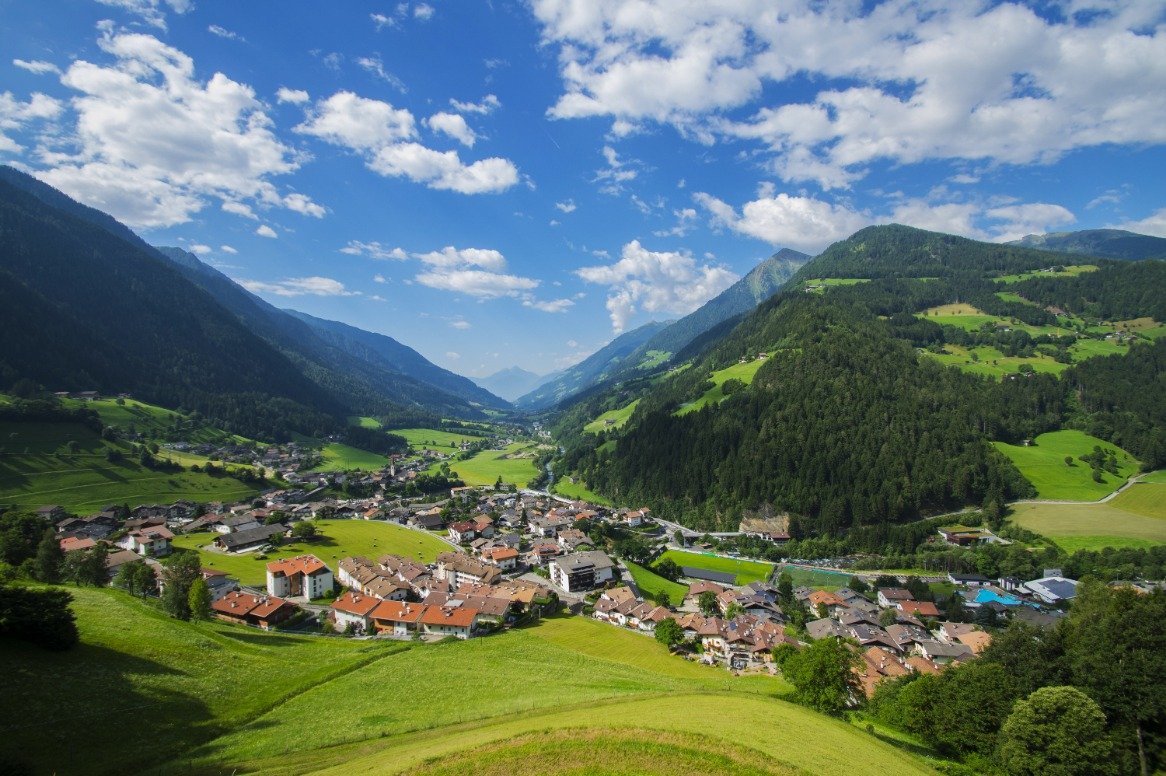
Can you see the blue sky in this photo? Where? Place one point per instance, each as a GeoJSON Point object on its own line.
{"type": "Point", "coordinates": [513, 183]}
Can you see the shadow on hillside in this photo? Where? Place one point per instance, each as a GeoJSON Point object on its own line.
{"type": "Point", "coordinates": [916, 749]}
{"type": "Point", "coordinates": [263, 639]}
{"type": "Point", "coordinates": [93, 710]}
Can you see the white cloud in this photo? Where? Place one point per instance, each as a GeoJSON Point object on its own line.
{"type": "Point", "coordinates": [450, 257]}
{"type": "Point", "coordinates": [373, 250]}
{"type": "Point", "coordinates": [1032, 218]}
{"type": "Point", "coordinates": [266, 231]}
{"type": "Point", "coordinates": [453, 125]}
{"type": "Point", "coordinates": [15, 115]}
{"type": "Point", "coordinates": [803, 223]}
{"type": "Point", "coordinates": [200, 249]}
{"type": "Point", "coordinates": [380, 131]}
{"type": "Point", "coordinates": [423, 11]}
{"type": "Point", "coordinates": [153, 144]}
{"type": "Point", "coordinates": [228, 249]}
{"type": "Point", "coordinates": [478, 283]}
{"type": "Point", "coordinates": [460, 324]}
{"type": "Point", "coordinates": [223, 32]}
{"type": "Point", "coordinates": [309, 286]}
{"type": "Point", "coordinates": [379, 278]}
{"type": "Point", "coordinates": [239, 209]}
{"type": "Point", "coordinates": [1153, 224]}
{"type": "Point", "coordinates": [549, 306]}
{"type": "Point", "coordinates": [375, 66]}
{"type": "Point", "coordinates": [617, 172]}
{"type": "Point", "coordinates": [567, 207]}
{"type": "Point", "coordinates": [489, 104]}
{"type": "Point", "coordinates": [897, 81]}
{"type": "Point", "coordinates": [304, 205]}
{"type": "Point", "coordinates": [684, 223]}
{"type": "Point", "coordinates": [293, 96]}
{"type": "Point", "coordinates": [152, 12]}
{"type": "Point", "coordinates": [37, 66]}
{"type": "Point", "coordinates": [656, 281]}
{"type": "Point", "coordinates": [381, 21]}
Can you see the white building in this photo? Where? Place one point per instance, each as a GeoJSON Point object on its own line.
{"type": "Point", "coordinates": [303, 575]}
{"type": "Point", "coordinates": [581, 571]}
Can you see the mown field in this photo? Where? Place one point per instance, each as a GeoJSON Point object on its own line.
{"type": "Point", "coordinates": [1094, 526]}
{"type": "Point", "coordinates": [746, 570]}
{"type": "Point", "coordinates": [514, 464]}
{"type": "Point", "coordinates": [216, 698]}
{"type": "Point", "coordinates": [337, 458]}
{"type": "Point", "coordinates": [652, 584]}
{"type": "Point", "coordinates": [341, 539]}
{"type": "Point", "coordinates": [152, 421]}
{"type": "Point", "coordinates": [434, 439]}
{"type": "Point", "coordinates": [743, 372]}
{"type": "Point", "coordinates": [1043, 464]}
{"type": "Point", "coordinates": [988, 361]}
{"type": "Point", "coordinates": [611, 419]}
{"type": "Point", "coordinates": [1069, 271]}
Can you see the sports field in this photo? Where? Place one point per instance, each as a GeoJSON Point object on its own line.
{"type": "Point", "coordinates": [340, 539]}
{"type": "Point", "coordinates": [746, 570]}
{"type": "Point", "coordinates": [1043, 464]}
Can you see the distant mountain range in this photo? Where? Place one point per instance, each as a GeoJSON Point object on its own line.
{"type": "Point", "coordinates": [89, 305]}
{"type": "Point", "coordinates": [1105, 243]}
{"type": "Point", "coordinates": [513, 382]}
{"type": "Point", "coordinates": [616, 361]}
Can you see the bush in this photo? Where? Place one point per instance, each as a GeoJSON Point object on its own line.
{"type": "Point", "coordinates": [42, 617]}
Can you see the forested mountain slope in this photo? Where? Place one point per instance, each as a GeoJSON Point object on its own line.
{"type": "Point", "coordinates": [1106, 243]}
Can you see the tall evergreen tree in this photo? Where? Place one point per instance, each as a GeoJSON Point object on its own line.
{"type": "Point", "coordinates": [50, 558]}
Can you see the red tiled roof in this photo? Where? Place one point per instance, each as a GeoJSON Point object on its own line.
{"type": "Point", "coordinates": [355, 603]}
{"type": "Point", "coordinates": [398, 611]}
{"type": "Point", "coordinates": [462, 617]}
{"type": "Point", "coordinates": [301, 564]}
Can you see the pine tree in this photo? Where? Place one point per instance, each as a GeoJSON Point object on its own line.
{"type": "Point", "coordinates": [199, 600]}
{"type": "Point", "coordinates": [50, 558]}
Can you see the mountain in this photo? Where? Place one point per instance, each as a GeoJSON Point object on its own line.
{"type": "Point", "coordinates": [370, 373]}
{"type": "Point", "coordinates": [762, 282]}
{"type": "Point", "coordinates": [88, 306]}
{"type": "Point", "coordinates": [1106, 243]}
{"type": "Point", "coordinates": [512, 382]}
{"type": "Point", "coordinates": [591, 370]}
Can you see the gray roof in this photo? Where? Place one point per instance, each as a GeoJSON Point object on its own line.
{"type": "Point", "coordinates": [580, 560]}
{"type": "Point", "coordinates": [250, 536]}
{"type": "Point", "coordinates": [722, 577]}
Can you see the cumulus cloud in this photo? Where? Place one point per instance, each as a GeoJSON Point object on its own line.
{"type": "Point", "coordinates": [423, 11]}
{"type": "Point", "coordinates": [16, 115]}
{"type": "Point", "coordinates": [266, 231]}
{"type": "Point", "coordinates": [152, 12]}
{"type": "Point", "coordinates": [450, 257]}
{"type": "Point", "coordinates": [655, 281]}
{"type": "Point", "coordinates": [373, 250]}
{"type": "Point", "coordinates": [384, 135]}
{"type": "Point", "coordinates": [477, 283]}
{"type": "Point", "coordinates": [200, 249]}
{"type": "Point", "coordinates": [153, 143]}
{"type": "Point", "coordinates": [897, 81]}
{"type": "Point", "coordinates": [37, 66]}
{"type": "Point", "coordinates": [308, 286]}
{"type": "Point", "coordinates": [228, 249]}
{"type": "Point", "coordinates": [567, 207]}
{"type": "Point", "coordinates": [381, 21]}
{"type": "Point", "coordinates": [488, 104]}
{"type": "Point", "coordinates": [293, 96]}
{"type": "Point", "coordinates": [804, 223]}
{"type": "Point", "coordinates": [1153, 224]}
{"type": "Point", "coordinates": [453, 125]}
{"type": "Point", "coordinates": [303, 205]}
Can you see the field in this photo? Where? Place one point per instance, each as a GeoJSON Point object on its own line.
{"type": "Point", "coordinates": [36, 469]}
{"type": "Point", "coordinates": [1093, 526]}
{"type": "Point", "coordinates": [363, 421]}
{"type": "Point", "coordinates": [1158, 477]}
{"type": "Point", "coordinates": [514, 464]}
{"type": "Point", "coordinates": [1147, 497]}
{"type": "Point", "coordinates": [819, 285]}
{"type": "Point", "coordinates": [434, 439]}
{"type": "Point", "coordinates": [152, 421]}
{"type": "Point", "coordinates": [1070, 271]}
{"type": "Point", "coordinates": [991, 362]}
{"type": "Point", "coordinates": [743, 372]}
{"type": "Point", "coordinates": [1043, 464]}
{"type": "Point", "coordinates": [342, 538]}
{"type": "Point", "coordinates": [653, 358]}
{"type": "Point", "coordinates": [579, 491]}
{"type": "Point", "coordinates": [338, 458]}
{"type": "Point", "coordinates": [652, 584]}
{"type": "Point", "coordinates": [746, 570]}
{"type": "Point", "coordinates": [611, 419]}
{"type": "Point", "coordinates": [830, 580]}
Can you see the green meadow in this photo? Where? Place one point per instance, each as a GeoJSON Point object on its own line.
{"type": "Point", "coordinates": [652, 584]}
{"type": "Point", "coordinates": [612, 419]}
{"type": "Point", "coordinates": [743, 372]}
{"type": "Point", "coordinates": [514, 464]}
{"type": "Point", "coordinates": [1069, 271]}
{"type": "Point", "coordinates": [1094, 526]}
{"type": "Point", "coordinates": [578, 491]}
{"type": "Point", "coordinates": [338, 458]}
{"type": "Point", "coordinates": [339, 539]}
{"type": "Point", "coordinates": [1043, 464]}
{"type": "Point", "coordinates": [746, 570]}
{"type": "Point", "coordinates": [434, 439]}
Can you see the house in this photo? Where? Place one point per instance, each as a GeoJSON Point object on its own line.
{"type": "Point", "coordinates": [71, 543]}
{"type": "Point", "coordinates": [581, 571]}
{"type": "Point", "coordinates": [427, 521]}
{"type": "Point", "coordinates": [906, 635]}
{"type": "Point", "coordinates": [444, 621]}
{"type": "Point", "coordinates": [961, 536]}
{"type": "Point", "coordinates": [397, 618]}
{"type": "Point", "coordinates": [720, 577]}
{"type": "Point", "coordinates": [354, 609]}
{"type": "Point", "coordinates": [235, 523]}
{"type": "Point", "coordinates": [241, 541]}
{"type": "Point", "coordinates": [548, 527]}
{"type": "Point", "coordinates": [821, 598]}
{"type": "Point", "coordinates": [542, 553]}
{"type": "Point", "coordinates": [820, 629]}
{"type": "Point", "coordinates": [219, 583]}
{"type": "Point", "coordinates": [571, 539]}
{"type": "Point", "coordinates": [976, 641]}
{"type": "Point", "coordinates": [151, 542]}
{"type": "Point", "coordinates": [1052, 589]}
{"type": "Point", "coordinates": [505, 558]}
{"type": "Point", "coordinates": [115, 560]}
{"type": "Point", "coordinates": [635, 518]}
{"type": "Point", "coordinates": [484, 527]}
{"type": "Point", "coordinates": [918, 608]}
{"type": "Point", "coordinates": [261, 611]}
{"type": "Point", "coordinates": [878, 664]}
{"type": "Point", "coordinates": [891, 596]}
{"type": "Point", "coordinates": [969, 580]}
{"type": "Point", "coordinates": [461, 532]}
{"type": "Point", "coordinates": [456, 568]}
{"type": "Point", "coordinates": [303, 575]}
{"type": "Point", "coordinates": [52, 513]}
{"type": "Point", "coordinates": [941, 653]}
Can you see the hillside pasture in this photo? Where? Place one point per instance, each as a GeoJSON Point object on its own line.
{"type": "Point", "coordinates": [514, 464]}
{"type": "Point", "coordinates": [434, 439]}
{"type": "Point", "coordinates": [612, 419]}
{"type": "Point", "coordinates": [1043, 464]}
{"type": "Point", "coordinates": [746, 570]}
{"type": "Point", "coordinates": [990, 362]}
{"type": "Point", "coordinates": [578, 491]}
{"type": "Point", "coordinates": [341, 539]}
{"type": "Point", "coordinates": [337, 457]}
{"type": "Point", "coordinates": [652, 584]}
{"type": "Point", "coordinates": [744, 372]}
{"type": "Point", "coordinates": [1092, 526]}
{"type": "Point", "coordinates": [1066, 272]}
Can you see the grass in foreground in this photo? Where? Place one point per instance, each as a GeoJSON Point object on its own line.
{"type": "Point", "coordinates": [652, 584]}
{"type": "Point", "coordinates": [1091, 526]}
{"type": "Point", "coordinates": [1043, 464]}
{"type": "Point", "coordinates": [746, 570]}
{"type": "Point", "coordinates": [341, 538]}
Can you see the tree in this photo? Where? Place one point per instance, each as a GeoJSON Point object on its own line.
{"type": "Point", "coordinates": [669, 633]}
{"type": "Point", "coordinates": [707, 601]}
{"type": "Point", "coordinates": [1055, 731]}
{"type": "Point", "coordinates": [42, 617]}
{"type": "Point", "coordinates": [668, 569]}
{"type": "Point", "coordinates": [785, 588]}
{"type": "Point", "coordinates": [858, 585]}
{"type": "Point", "coordinates": [177, 577]}
{"type": "Point", "coordinates": [1115, 643]}
{"type": "Point", "coordinates": [973, 702]}
{"type": "Point", "coordinates": [678, 536]}
{"type": "Point", "coordinates": [50, 558]}
{"type": "Point", "coordinates": [126, 577]}
{"type": "Point", "coordinates": [304, 530]}
{"type": "Point", "coordinates": [733, 611]}
{"type": "Point", "coordinates": [87, 567]}
{"type": "Point", "coordinates": [199, 599]}
{"type": "Point", "coordinates": [20, 534]}
{"type": "Point", "coordinates": [823, 675]}
{"type": "Point", "coordinates": [985, 617]}
{"type": "Point", "coordinates": [662, 598]}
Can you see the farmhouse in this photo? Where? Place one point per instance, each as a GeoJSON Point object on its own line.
{"type": "Point", "coordinates": [260, 611]}
{"type": "Point", "coordinates": [152, 542]}
{"type": "Point", "coordinates": [240, 541]}
{"type": "Point", "coordinates": [303, 575]}
{"type": "Point", "coordinates": [581, 571]}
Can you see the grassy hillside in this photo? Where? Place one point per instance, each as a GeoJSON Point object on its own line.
{"type": "Point", "coordinates": [577, 490]}
{"type": "Point", "coordinates": [1043, 464]}
{"type": "Point", "coordinates": [611, 419]}
{"type": "Point", "coordinates": [341, 538]}
{"type": "Point", "coordinates": [743, 372]}
{"type": "Point", "coordinates": [514, 464]}
{"type": "Point", "coordinates": [1093, 526]}
{"type": "Point", "coordinates": [338, 457]}
{"type": "Point", "coordinates": [652, 584]}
